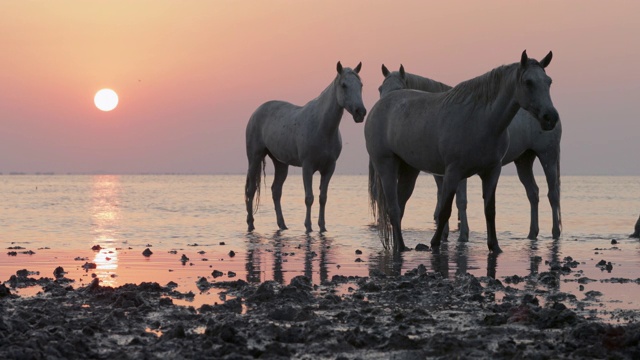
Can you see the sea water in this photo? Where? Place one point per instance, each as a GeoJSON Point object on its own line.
{"type": "Point", "coordinates": [203, 217]}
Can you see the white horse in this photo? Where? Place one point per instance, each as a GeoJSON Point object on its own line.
{"type": "Point", "coordinates": [526, 142]}
{"type": "Point", "coordinates": [307, 136]}
{"type": "Point", "coordinates": [455, 134]}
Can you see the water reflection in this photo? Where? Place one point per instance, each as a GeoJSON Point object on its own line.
{"type": "Point", "coordinates": [492, 264]}
{"type": "Point", "coordinates": [325, 245]}
{"type": "Point", "coordinates": [277, 258]}
{"type": "Point", "coordinates": [440, 259]}
{"type": "Point", "coordinates": [253, 263]}
{"type": "Point", "coordinates": [105, 214]}
{"type": "Point", "coordinates": [387, 262]}
{"type": "Point", "coordinates": [280, 250]}
{"type": "Point", "coordinates": [462, 257]}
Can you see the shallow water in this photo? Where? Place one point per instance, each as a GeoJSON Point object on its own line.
{"type": "Point", "coordinates": [60, 218]}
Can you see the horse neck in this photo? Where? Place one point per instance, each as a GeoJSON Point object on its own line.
{"type": "Point", "coordinates": [417, 82]}
{"type": "Point", "coordinates": [329, 111]}
{"type": "Point", "coordinates": [492, 95]}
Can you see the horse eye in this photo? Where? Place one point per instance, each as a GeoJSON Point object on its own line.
{"type": "Point", "coordinates": [529, 83]}
{"type": "Point", "coordinates": [344, 86]}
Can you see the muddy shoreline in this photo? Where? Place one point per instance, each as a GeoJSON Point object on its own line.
{"type": "Point", "coordinates": [416, 315]}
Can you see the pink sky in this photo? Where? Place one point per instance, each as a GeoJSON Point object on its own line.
{"type": "Point", "coordinates": [189, 74]}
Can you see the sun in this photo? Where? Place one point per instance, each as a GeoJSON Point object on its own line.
{"type": "Point", "coordinates": [106, 99]}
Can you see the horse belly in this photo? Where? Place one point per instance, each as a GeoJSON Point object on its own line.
{"type": "Point", "coordinates": [420, 153]}
{"type": "Point", "coordinates": [281, 144]}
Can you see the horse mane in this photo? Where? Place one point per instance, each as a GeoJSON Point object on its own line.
{"type": "Point", "coordinates": [484, 88]}
{"type": "Point", "coordinates": [417, 82]}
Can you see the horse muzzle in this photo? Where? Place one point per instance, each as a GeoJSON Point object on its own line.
{"type": "Point", "coordinates": [549, 120]}
{"type": "Point", "coordinates": [359, 114]}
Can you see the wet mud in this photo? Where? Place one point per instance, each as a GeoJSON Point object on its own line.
{"type": "Point", "coordinates": [416, 315]}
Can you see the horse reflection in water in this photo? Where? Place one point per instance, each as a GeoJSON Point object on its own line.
{"type": "Point", "coordinates": [305, 136]}
{"type": "Point", "coordinates": [526, 142]}
{"type": "Point", "coordinates": [258, 248]}
{"type": "Point", "coordinates": [455, 134]}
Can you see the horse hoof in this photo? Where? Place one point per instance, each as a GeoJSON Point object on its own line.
{"type": "Point", "coordinates": [635, 235]}
{"type": "Point", "coordinates": [496, 249]}
{"type": "Point", "coordinates": [463, 238]}
{"type": "Point", "coordinates": [400, 249]}
{"type": "Point", "coordinates": [283, 227]}
{"type": "Point", "coordinates": [251, 228]}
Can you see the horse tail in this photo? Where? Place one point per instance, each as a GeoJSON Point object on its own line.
{"type": "Point", "coordinates": [378, 206]}
{"type": "Point", "coordinates": [257, 179]}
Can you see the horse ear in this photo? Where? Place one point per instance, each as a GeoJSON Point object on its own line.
{"type": "Point", "coordinates": [339, 68]}
{"type": "Point", "coordinates": [357, 69]}
{"type": "Point", "coordinates": [401, 71]}
{"type": "Point", "coordinates": [385, 71]}
{"type": "Point", "coordinates": [547, 59]}
{"type": "Point", "coordinates": [524, 58]}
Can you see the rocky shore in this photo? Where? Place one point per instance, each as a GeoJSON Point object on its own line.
{"type": "Point", "coordinates": [416, 315]}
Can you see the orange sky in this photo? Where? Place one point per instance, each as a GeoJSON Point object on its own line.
{"type": "Point", "coordinates": [189, 74]}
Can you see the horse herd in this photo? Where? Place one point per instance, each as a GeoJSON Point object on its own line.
{"type": "Point", "coordinates": [418, 124]}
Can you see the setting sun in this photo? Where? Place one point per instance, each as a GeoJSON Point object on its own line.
{"type": "Point", "coordinates": [106, 99]}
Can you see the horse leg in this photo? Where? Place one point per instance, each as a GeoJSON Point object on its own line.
{"type": "Point", "coordinates": [407, 177]}
{"type": "Point", "coordinates": [251, 185]}
{"type": "Point", "coordinates": [325, 177]}
{"type": "Point", "coordinates": [461, 204]}
{"type": "Point", "coordinates": [489, 184]}
{"type": "Point", "coordinates": [439, 180]}
{"type": "Point", "coordinates": [281, 171]}
{"type": "Point", "coordinates": [307, 179]}
{"type": "Point", "coordinates": [524, 165]}
{"type": "Point", "coordinates": [550, 162]}
{"type": "Point", "coordinates": [449, 186]}
{"type": "Point", "coordinates": [387, 170]}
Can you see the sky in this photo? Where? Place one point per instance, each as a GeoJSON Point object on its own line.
{"type": "Point", "coordinates": [189, 74]}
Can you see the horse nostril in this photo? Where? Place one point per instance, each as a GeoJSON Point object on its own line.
{"type": "Point", "coordinates": [549, 118]}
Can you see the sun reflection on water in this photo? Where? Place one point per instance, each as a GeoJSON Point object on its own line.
{"type": "Point", "coordinates": [105, 214]}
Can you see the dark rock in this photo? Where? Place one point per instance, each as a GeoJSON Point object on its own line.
{"type": "Point", "coordinates": [147, 252]}
{"type": "Point", "coordinates": [301, 282]}
{"type": "Point", "coordinates": [4, 290]}
{"type": "Point", "coordinates": [58, 272]}
{"type": "Point", "coordinates": [422, 247]}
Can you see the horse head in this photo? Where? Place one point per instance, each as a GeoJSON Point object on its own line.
{"type": "Point", "coordinates": [392, 81]}
{"type": "Point", "coordinates": [532, 90]}
{"type": "Point", "coordinates": [349, 91]}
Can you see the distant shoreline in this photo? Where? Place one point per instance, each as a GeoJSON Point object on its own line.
{"type": "Point", "coordinates": [291, 172]}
